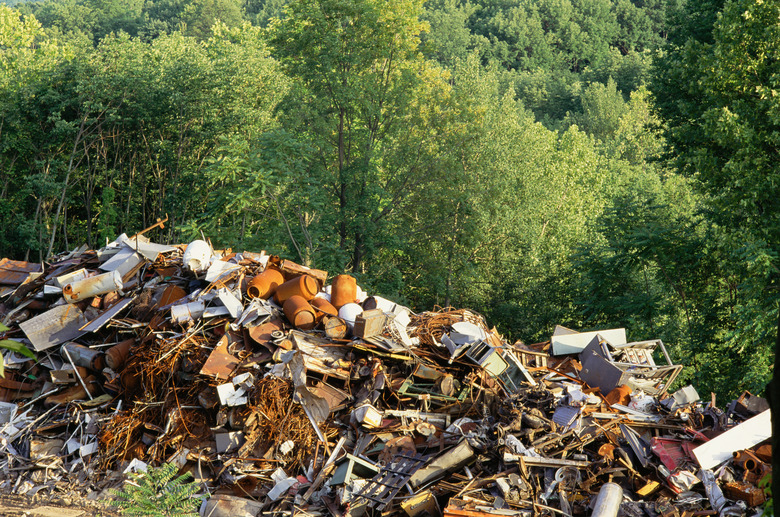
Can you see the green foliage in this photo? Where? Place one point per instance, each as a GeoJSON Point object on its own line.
{"type": "Point", "coordinates": [107, 214]}
{"type": "Point", "coordinates": [715, 89]}
{"type": "Point", "coordinates": [448, 38]}
{"type": "Point", "coordinates": [94, 141]}
{"type": "Point", "coordinates": [563, 34]}
{"type": "Point", "coordinates": [650, 270]}
{"type": "Point", "coordinates": [363, 100]}
{"type": "Point", "coordinates": [602, 109]}
{"type": "Point", "coordinates": [477, 249]}
{"type": "Point", "coordinates": [201, 15]}
{"type": "Point", "coordinates": [765, 484]}
{"type": "Point", "coordinates": [493, 154]}
{"type": "Point", "coordinates": [91, 18]}
{"type": "Point", "coordinates": [13, 346]}
{"type": "Point", "coordinates": [260, 12]}
{"type": "Point", "coordinates": [158, 492]}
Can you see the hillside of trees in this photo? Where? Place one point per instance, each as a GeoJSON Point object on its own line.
{"type": "Point", "coordinates": [590, 163]}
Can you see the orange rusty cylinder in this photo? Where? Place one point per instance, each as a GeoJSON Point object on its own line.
{"type": "Point", "coordinates": [130, 381]}
{"type": "Point", "coordinates": [265, 284]}
{"type": "Point", "coordinates": [304, 286]}
{"type": "Point", "coordinates": [116, 356]}
{"type": "Point", "coordinates": [343, 290]}
{"type": "Point", "coordinates": [335, 327]}
{"type": "Point", "coordinates": [299, 312]}
{"type": "Point", "coordinates": [747, 460]}
{"type": "Point", "coordinates": [323, 307]}
{"type": "Point", "coordinates": [619, 395]}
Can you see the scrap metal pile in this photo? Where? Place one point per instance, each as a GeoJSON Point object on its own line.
{"type": "Point", "coordinates": [282, 390]}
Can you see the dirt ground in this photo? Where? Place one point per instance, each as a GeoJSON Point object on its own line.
{"type": "Point", "coordinates": [20, 506]}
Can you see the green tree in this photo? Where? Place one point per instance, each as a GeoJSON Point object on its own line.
{"type": "Point", "coordinates": [715, 89]}
{"type": "Point", "coordinates": [37, 129]}
{"type": "Point", "coordinates": [603, 107]}
{"type": "Point", "coordinates": [91, 18]}
{"type": "Point", "coordinates": [364, 100]}
{"type": "Point", "coordinates": [499, 233]}
{"type": "Point", "coordinates": [99, 140]}
{"type": "Point", "coordinates": [201, 15]}
{"type": "Point", "coordinates": [260, 12]}
{"type": "Point", "coordinates": [653, 268]}
{"type": "Point", "coordinates": [448, 39]}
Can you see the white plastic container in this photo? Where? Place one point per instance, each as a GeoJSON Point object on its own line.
{"type": "Point", "coordinates": [349, 312]}
{"type": "Point", "coordinates": [197, 256]}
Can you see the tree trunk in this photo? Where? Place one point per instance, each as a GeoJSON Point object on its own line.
{"type": "Point", "coordinates": [342, 184]}
{"type": "Point", "coordinates": [56, 222]}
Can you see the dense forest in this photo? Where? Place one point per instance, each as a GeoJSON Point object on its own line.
{"type": "Point", "coordinates": [590, 163]}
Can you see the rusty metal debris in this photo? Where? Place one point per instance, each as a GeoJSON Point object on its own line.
{"type": "Point", "coordinates": [283, 394]}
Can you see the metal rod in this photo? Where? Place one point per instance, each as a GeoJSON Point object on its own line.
{"type": "Point", "coordinates": [75, 369]}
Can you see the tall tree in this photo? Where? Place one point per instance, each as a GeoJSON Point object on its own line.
{"type": "Point", "coordinates": [364, 92]}
{"type": "Point", "coordinates": [716, 89]}
{"type": "Point", "coordinates": [201, 15]}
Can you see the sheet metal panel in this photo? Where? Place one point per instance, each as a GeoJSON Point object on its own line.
{"type": "Point", "coordinates": [54, 327]}
{"type": "Point", "coordinates": [14, 272]}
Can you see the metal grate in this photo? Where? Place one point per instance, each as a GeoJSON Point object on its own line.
{"type": "Point", "coordinates": [383, 487]}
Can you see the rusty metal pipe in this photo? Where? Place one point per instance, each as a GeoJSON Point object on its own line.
{"type": "Point", "coordinates": [747, 460]}
{"type": "Point", "coordinates": [81, 355]}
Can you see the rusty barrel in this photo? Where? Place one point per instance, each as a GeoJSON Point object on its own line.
{"type": "Point", "coordinates": [116, 356]}
{"type": "Point", "coordinates": [299, 312]}
{"type": "Point", "coordinates": [304, 286]}
{"type": "Point", "coordinates": [335, 327]}
{"type": "Point", "coordinates": [343, 290]}
{"type": "Point", "coordinates": [323, 307]}
{"type": "Point", "coordinates": [265, 284]}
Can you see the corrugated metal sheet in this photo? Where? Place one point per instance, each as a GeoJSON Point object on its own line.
{"type": "Point", "coordinates": [14, 272]}
{"type": "Point", "coordinates": [565, 416]}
